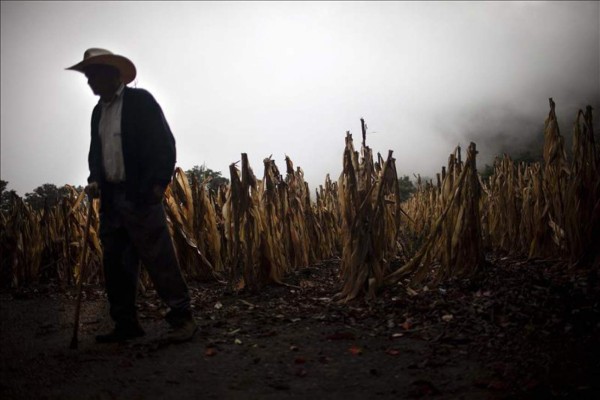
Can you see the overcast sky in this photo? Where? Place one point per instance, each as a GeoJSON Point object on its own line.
{"type": "Point", "coordinates": [290, 78]}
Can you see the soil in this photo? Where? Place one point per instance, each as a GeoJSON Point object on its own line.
{"type": "Point", "coordinates": [523, 329]}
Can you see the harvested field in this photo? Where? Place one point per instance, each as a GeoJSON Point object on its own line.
{"type": "Point", "coordinates": [469, 289]}
{"type": "Point", "coordinates": [525, 330]}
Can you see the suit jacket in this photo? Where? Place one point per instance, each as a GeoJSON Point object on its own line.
{"type": "Point", "coordinates": [148, 148]}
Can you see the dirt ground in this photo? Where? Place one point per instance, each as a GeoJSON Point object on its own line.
{"type": "Point", "coordinates": [521, 330]}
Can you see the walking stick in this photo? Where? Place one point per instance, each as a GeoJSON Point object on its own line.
{"type": "Point", "coordinates": [74, 340]}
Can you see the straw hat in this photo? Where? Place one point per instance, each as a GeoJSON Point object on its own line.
{"type": "Point", "coordinates": [95, 56]}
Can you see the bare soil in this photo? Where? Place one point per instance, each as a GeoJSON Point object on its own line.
{"type": "Point", "coordinates": [522, 329]}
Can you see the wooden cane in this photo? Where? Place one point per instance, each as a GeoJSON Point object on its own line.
{"type": "Point", "coordinates": [74, 340]}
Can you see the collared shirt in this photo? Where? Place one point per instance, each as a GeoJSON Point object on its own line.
{"type": "Point", "coordinates": [110, 137]}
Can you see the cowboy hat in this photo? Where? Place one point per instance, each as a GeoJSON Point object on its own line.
{"type": "Point", "coordinates": [95, 56]}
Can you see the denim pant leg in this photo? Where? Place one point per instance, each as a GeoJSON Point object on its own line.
{"type": "Point", "coordinates": [147, 227]}
{"type": "Point", "coordinates": [121, 268]}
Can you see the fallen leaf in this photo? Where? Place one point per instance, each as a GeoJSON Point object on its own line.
{"type": "Point", "coordinates": [306, 284]}
{"type": "Point", "coordinates": [209, 352]}
{"type": "Point", "coordinates": [237, 341]}
{"type": "Point", "coordinates": [218, 305]}
{"type": "Point", "coordinates": [447, 317]}
{"type": "Point", "coordinates": [393, 352]}
{"type": "Point", "coordinates": [355, 350]}
{"type": "Point", "coordinates": [248, 303]}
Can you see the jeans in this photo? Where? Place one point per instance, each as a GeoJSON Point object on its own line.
{"type": "Point", "coordinates": [129, 233]}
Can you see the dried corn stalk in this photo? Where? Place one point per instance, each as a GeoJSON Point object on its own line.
{"type": "Point", "coordinates": [455, 239]}
{"type": "Point", "coordinates": [179, 208]}
{"type": "Point", "coordinates": [273, 213]}
{"type": "Point", "coordinates": [256, 232]}
{"type": "Point", "coordinates": [556, 175]}
{"type": "Point", "coordinates": [582, 189]}
{"type": "Point", "coordinates": [370, 209]}
{"type": "Point", "coordinates": [296, 235]}
{"type": "Point", "coordinates": [205, 225]}
{"type": "Point", "coordinates": [326, 210]}
{"type": "Point", "coordinates": [45, 244]}
{"type": "Point", "coordinates": [244, 228]}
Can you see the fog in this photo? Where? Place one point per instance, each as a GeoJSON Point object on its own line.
{"type": "Point", "coordinates": [290, 78]}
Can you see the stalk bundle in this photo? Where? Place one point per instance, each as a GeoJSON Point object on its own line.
{"type": "Point", "coordinates": [503, 217]}
{"type": "Point", "coordinates": [22, 239]}
{"type": "Point", "coordinates": [370, 207]}
{"type": "Point", "coordinates": [47, 243]}
{"type": "Point", "coordinates": [582, 203]}
{"type": "Point", "coordinates": [455, 240]}
{"type": "Point", "coordinates": [297, 216]}
{"type": "Point", "coordinates": [327, 220]}
{"type": "Point", "coordinates": [244, 228]}
{"type": "Point", "coordinates": [550, 209]}
{"type": "Point", "coordinates": [254, 232]}
{"type": "Point", "coordinates": [274, 208]}
{"type": "Point", "coordinates": [180, 212]}
{"type": "Point", "coordinates": [556, 174]}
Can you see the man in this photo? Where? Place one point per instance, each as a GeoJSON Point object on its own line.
{"type": "Point", "coordinates": [131, 161]}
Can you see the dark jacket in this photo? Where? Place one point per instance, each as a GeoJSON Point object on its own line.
{"type": "Point", "coordinates": [148, 148]}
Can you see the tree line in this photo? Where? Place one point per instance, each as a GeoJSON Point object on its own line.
{"type": "Point", "coordinates": [49, 195]}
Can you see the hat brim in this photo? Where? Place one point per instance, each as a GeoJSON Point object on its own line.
{"type": "Point", "coordinates": [123, 64]}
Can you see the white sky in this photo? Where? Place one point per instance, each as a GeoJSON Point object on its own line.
{"type": "Point", "coordinates": [290, 78]}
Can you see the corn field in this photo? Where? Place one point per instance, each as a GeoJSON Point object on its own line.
{"type": "Point", "coordinates": [254, 231]}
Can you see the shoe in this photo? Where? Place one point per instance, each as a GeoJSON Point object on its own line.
{"type": "Point", "coordinates": [182, 332]}
{"type": "Point", "coordinates": [121, 334]}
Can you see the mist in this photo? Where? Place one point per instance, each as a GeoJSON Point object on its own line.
{"type": "Point", "coordinates": [290, 78]}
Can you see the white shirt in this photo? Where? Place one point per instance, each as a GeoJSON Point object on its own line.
{"type": "Point", "coordinates": [110, 137]}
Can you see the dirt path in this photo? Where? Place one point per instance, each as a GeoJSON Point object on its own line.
{"type": "Point", "coordinates": [524, 330]}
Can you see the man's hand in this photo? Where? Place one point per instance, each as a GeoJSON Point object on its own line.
{"type": "Point", "coordinates": [93, 190]}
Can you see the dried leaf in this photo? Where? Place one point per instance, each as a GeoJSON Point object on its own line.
{"type": "Point", "coordinates": [210, 352]}
{"type": "Point", "coordinates": [447, 317]}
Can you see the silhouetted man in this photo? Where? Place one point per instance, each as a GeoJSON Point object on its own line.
{"type": "Point", "coordinates": [131, 161]}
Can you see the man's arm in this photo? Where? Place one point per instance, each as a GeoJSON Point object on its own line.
{"type": "Point", "coordinates": [95, 153]}
{"type": "Point", "coordinates": [161, 143]}
{"type": "Point", "coordinates": [94, 157]}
